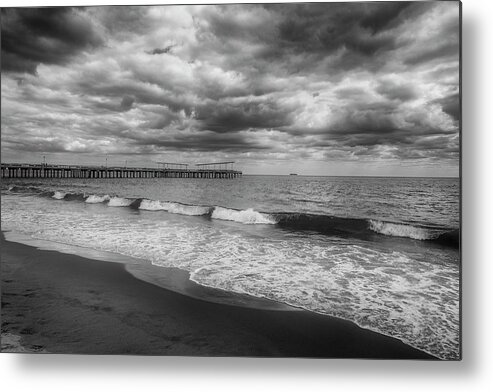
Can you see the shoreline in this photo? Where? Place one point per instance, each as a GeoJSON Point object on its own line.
{"type": "Point", "coordinates": [65, 303]}
{"type": "Point", "coordinates": [169, 278]}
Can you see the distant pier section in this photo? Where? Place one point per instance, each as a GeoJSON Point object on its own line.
{"type": "Point", "coordinates": [165, 170]}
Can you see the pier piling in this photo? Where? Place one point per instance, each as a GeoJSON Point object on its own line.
{"type": "Point", "coordinates": [204, 171]}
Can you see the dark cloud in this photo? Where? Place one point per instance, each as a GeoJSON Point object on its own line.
{"type": "Point", "coordinates": [14, 62]}
{"type": "Point", "coordinates": [31, 36]}
{"type": "Point", "coordinates": [432, 143]}
{"type": "Point", "coordinates": [127, 102]}
{"type": "Point", "coordinates": [438, 53]}
{"type": "Point", "coordinates": [400, 144]}
{"type": "Point", "coordinates": [163, 119]}
{"type": "Point", "coordinates": [443, 45]}
{"type": "Point", "coordinates": [351, 93]}
{"type": "Point", "coordinates": [109, 86]}
{"type": "Point", "coordinates": [383, 17]}
{"type": "Point", "coordinates": [357, 29]}
{"type": "Point", "coordinates": [123, 21]}
{"type": "Point", "coordinates": [451, 105]}
{"type": "Point", "coordinates": [204, 141]}
{"type": "Point", "coordinates": [368, 122]}
{"type": "Point", "coordinates": [297, 37]}
{"type": "Point", "coordinates": [227, 117]}
{"type": "Point", "coordinates": [385, 124]}
{"type": "Point", "coordinates": [164, 50]}
{"type": "Point", "coordinates": [38, 145]}
{"type": "Point", "coordinates": [235, 22]}
{"type": "Point", "coordinates": [399, 91]}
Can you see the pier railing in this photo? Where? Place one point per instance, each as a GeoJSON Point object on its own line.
{"type": "Point", "coordinates": [25, 170]}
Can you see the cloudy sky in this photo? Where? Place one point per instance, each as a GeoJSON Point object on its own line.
{"type": "Point", "coordinates": [328, 89]}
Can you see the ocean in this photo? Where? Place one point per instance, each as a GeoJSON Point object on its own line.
{"type": "Point", "coordinates": [380, 252]}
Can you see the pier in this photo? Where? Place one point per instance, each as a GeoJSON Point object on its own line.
{"type": "Point", "coordinates": [167, 170]}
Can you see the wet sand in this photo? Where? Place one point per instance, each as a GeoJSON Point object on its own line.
{"type": "Point", "coordinates": [62, 303]}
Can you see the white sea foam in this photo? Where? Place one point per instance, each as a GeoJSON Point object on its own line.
{"type": "Point", "coordinates": [177, 208]}
{"type": "Point", "coordinates": [174, 208]}
{"type": "Point", "coordinates": [401, 230]}
{"type": "Point", "coordinates": [119, 202]}
{"type": "Point", "coordinates": [59, 195]}
{"type": "Point", "coordinates": [249, 216]}
{"type": "Point", "coordinates": [152, 205]}
{"type": "Point", "coordinates": [92, 199]}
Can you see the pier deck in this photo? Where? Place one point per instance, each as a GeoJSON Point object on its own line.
{"type": "Point", "coordinates": [22, 170]}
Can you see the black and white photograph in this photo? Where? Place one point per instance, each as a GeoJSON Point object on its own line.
{"type": "Point", "coordinates": [278, 180]}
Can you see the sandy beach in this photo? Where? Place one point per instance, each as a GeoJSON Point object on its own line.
{"type": "Point", "coordinates": [61, 303]}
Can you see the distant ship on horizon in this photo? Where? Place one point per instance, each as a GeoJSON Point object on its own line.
{"type": "Point", "coordinates": [293, 174]}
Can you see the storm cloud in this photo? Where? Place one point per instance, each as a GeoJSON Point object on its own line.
{"type": "Point", "coordinates": [362, 83]}
{"type": "Point", "coordinates": [31, 36]}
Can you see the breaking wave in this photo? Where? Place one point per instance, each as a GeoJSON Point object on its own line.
{"type": "Point", "coordinates": [443, 236]}
{"type": "Point", "coordinates": [173, 207]}
{"type": "Point", "coordinates": [366, 229]}
{"type": "Point", "coordinates": [401, 230]}
{"type": "Point", "coordinates": [119, 202]}
{"type": "Point", "coordinates": [59, 195]}
{"type": "Point", "coordinates": [92, 199]}
{"type": "Point", "coordinates": [248, 217]}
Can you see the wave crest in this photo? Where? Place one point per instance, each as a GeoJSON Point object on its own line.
{"type": "Point", "coordinates": [360, 228]}
{"type": "Point", "coordinates": [174, 208]}
{"type": "Point", "coordinates": [92, 199]}
{"type": "Point", "coordinates": [402, 230]}
{"type": "Point", "coordinates": [59, 195]}
{"type": "Point", "coordinates": [119, 202]}
{"type": "Point", "coordinates": [249, 216]}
